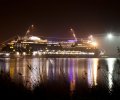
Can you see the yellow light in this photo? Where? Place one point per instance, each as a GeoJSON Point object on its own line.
{"type": "Point", "coordinates": [11, 47]}
{"type": "Point", "coordinates": [24, 53]}
{"type": "Point", "coordinates": [17, 53]}
{"type": "Point", "coordinates": [94, 44]}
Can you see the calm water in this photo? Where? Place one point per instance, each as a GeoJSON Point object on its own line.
{"type": "Point", "coordinates": [76, 71]}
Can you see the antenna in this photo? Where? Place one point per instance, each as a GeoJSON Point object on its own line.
{"type": "Point", "coordinates": [73, 32]}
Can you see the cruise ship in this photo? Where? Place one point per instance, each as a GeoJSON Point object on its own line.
{"type": "Point", "coordinates": [30, 45]}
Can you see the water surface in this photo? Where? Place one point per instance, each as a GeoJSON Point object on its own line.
{"type": "Point", "coordinates": [77, 72]}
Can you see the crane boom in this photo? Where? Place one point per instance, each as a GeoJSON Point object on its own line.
{"type": "Point", "coordinates": [73, 32]}
{"type": "Point", "coordinates": [29, 29]}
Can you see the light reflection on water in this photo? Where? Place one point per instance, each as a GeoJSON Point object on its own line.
{"type": "Point", "coordinates": [77, 71]}
{"type": "Point", "coordinates": [92, 71]}
{"type": "Point", "coordinates": [110, 62]}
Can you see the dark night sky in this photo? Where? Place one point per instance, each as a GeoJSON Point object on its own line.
{"type": "Point", "coordinates": [54, 18]}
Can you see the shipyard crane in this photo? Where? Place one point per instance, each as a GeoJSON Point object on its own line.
{"type": "Point", "coordinates": [30, 29]}
{"type": "Point", "coordinates": [73, 32]}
